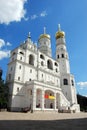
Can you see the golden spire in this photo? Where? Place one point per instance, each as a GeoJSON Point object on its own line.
{"type": "Point", "coordinates": [44, 35]}
{"type": "Point", "coordinates": [59, 34]}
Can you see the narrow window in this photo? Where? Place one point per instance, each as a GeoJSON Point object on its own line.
{"type": "Point", "coordinates": [72, 82]}
{"type": "Point", "coordinates": [31, 60]}
{"type": "Point", "coordinates": [58, 56]}
{"type": "Point", "coordinates": [42, 75]}
{"type": "Point", "coordinates": [30, 70]}
{"type": "Point", "coordinates": [56, 70]}
{"type": "Point", "coordinates": [42, 63]}
{"type": "Point", "coordinates": [19, 78]}
{"type": "Point", "coordinates": [17, 89]}
{"type": "Point", "coordinates": [62, 55]}
{"type": "Point", "coordinates": [42, 57]}
{"type": "Point", "coordinates": [31, 92]}
{"type": "Point", "coordinates": [20, 67]}
{"type": "Point", "coordinates": [50, 64]}
{"type": "Point", "coordinates": [65, 81]}
{"type": "Point", "coordinates": [20, 58]}
{"type": "Point", "coordinates": [56, 64]}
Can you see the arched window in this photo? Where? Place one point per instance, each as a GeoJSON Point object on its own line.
{"type": "Point", "coordinates": [21, 53]}
{"type": "Point", "coordinates": [65, 81]}
{"type": "Point", "coordinates": [58, 56]}
{"type": "Point", "coordinates": [31, 59]}
{"type": "Point", "coordinates": [50, 64]}
{"type": "Point", "coordinates": [72, 82]}
{"type": "Point", "coordinates": [56, 64]}
{"type": "Point", "coordinates": [62, 55]}
{"type": "Point", "coordinates": [42, 57]}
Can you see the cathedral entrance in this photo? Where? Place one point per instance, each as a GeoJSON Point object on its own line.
{"type": "Point", "coordinates": [49, 99]}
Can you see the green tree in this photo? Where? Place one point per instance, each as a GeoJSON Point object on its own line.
{"type": "Point", "coordinates": [82, 100]}
{"type": "Point", "coordinates": [3, 92]}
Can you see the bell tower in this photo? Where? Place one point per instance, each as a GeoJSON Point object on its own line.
{"type": "Point", "coordinates": [61, 51]}
{"type": "Point", "coordinates": [45, 43]}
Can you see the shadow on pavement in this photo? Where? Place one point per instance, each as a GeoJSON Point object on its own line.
{"type": "Point", "coordinates": [69, 124]}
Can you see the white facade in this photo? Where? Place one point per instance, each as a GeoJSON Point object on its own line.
{"type": "Point", "coordinates": [37, 80]}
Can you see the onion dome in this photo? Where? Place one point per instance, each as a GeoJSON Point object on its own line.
{"type": "Point", "coordinates": [44, 35]}
{"type": "Point", "coordinates": [59, 34]}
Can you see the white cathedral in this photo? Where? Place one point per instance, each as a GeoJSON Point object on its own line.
{"type": "Point", "coordinates": [38, 81]}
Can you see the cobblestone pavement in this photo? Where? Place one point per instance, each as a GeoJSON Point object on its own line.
{"type": "Point", "coordinates": [43, 121]}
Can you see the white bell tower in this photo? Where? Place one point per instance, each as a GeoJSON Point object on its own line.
{"type": "Point", "coordinates": [67, 81]}
{"type": "Point", "coordinates": [61, 51]}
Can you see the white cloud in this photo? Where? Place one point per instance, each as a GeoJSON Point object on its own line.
{"type": "Point", "coordinates": [34, 17]}
{"type": "Point", "coordinates": [82, 85]}
{"type": "Point", "coordinates": [8, 44]}
{"type": "Point", "coordinates": [12, 10]}
{"type": "Point", "coordinates": [2, 43]}
{"type": "Point", "coordinates": [43, 14]}
{"type": "Point", "coordinates": [4, 53]}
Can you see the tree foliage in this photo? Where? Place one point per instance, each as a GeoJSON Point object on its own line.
{"type": "Point", "coordinates": [82, 100]}
{"type": "Point", "coordinates": [3, 92]}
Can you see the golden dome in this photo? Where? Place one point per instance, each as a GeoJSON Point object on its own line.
{"type": "Point", "coordinates": [59, 34]}
{"type": "Point", "coordinates": [44, 35]}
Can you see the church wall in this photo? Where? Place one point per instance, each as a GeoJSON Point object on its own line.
{"type": "Point", "coordinates": [30, 73]}
{"type": "Point", "coordinates": [17, 96]}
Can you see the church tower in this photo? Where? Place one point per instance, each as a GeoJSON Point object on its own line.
{"type": "Point", "coordinates": [45, 43]}
{"type": "Point", "coordinates": [61, 51]}
{"type": "Point", "coordinates": [67, 82]}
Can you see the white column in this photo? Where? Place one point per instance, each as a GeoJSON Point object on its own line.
{"type": "Point", "coordinates": [34, 99]}
{"type": "Point", "coordinates": [42, 100]}
{"type": "Point", "coordinates": [59, 101]}
{"type": "Point", "coordinates": [55, 101]}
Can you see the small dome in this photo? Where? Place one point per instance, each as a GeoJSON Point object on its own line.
{"type": "Point", "coordinates": [44, 35]}
{"type": "Point", "coordinates": [59, 34]}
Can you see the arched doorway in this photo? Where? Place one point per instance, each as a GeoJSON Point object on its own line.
{"type": "Point", "coordinates": [49, 99]}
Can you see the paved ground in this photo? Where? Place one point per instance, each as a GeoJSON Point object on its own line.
{"type": "Point", "coordinates": [43, 121]}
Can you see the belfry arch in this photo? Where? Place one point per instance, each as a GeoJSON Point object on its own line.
{"type": "Point", "coordinates": [31, 59]}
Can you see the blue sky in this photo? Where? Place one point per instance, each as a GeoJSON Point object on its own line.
{"type": "Point", "coordinates": [18, 17]}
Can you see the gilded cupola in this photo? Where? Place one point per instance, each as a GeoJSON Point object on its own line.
{"type": "Point", "coordinates": [59, 34]}
{"type": "Point", "coordinates": [44, 35]}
